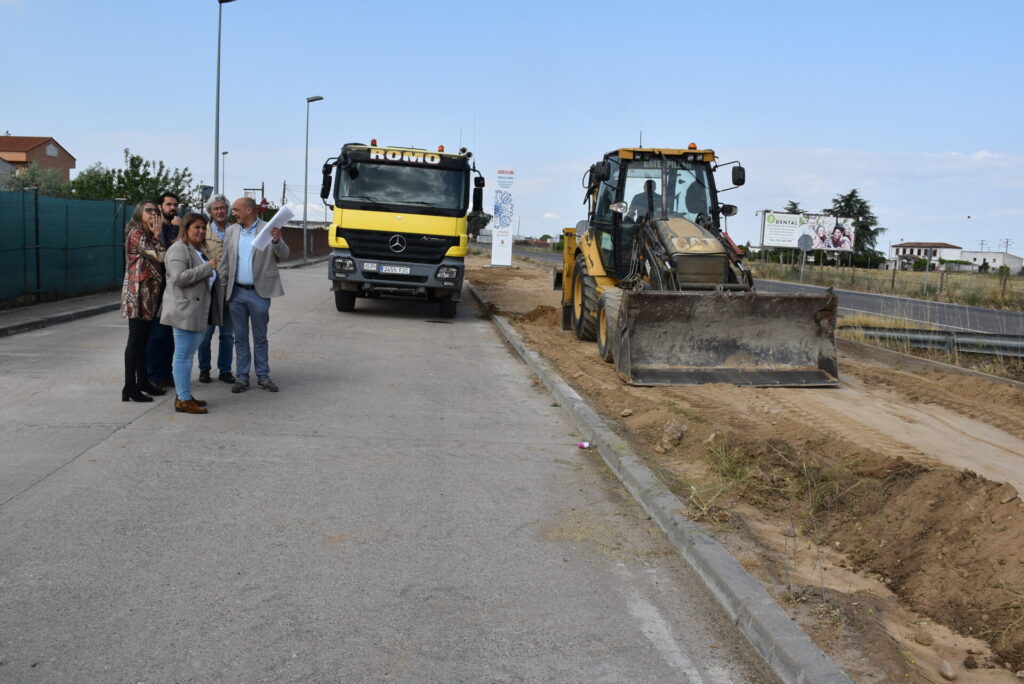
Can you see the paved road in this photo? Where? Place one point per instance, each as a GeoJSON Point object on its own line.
{"type": "Point", "coordinates": [952, 316]}
{"type": "Point", "coordinates": [410, 507]}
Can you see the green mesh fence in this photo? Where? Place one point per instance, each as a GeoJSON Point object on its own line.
{"type": "Point", "coordinates": [52, 247]}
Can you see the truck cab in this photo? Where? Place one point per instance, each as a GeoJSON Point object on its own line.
{"type": "Point", "coordinates": [399, 223]}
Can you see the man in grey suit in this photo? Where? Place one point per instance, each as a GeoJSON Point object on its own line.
{"type": "Point", "coordinates": [251, 279]}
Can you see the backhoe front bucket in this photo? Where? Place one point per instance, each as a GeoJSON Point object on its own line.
{"type": "Point", "coordinates": [740, 338]}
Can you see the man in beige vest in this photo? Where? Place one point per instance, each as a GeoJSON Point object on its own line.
{"type": "Point", "coordinates": [217, 209]}
{"type": "Point", "coordinates": [251, 279]}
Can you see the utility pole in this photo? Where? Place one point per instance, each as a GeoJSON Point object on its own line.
{"type": "Point", "coordinates": [284, 193]}
{"type": "Point", "coordinates": [1006, 244]}
{"type": "Point", "coordinates": [982, 243]}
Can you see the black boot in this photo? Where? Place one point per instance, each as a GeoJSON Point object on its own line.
{"type": "Point", "coordinates": [131, 392]}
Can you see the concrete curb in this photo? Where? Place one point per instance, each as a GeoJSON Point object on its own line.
{"type": "Point", "coordinates": [44, 321]}
{"type": "Point", "coordinates": [784, 646]}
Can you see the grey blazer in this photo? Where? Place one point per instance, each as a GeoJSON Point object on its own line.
{"type": "Point", "coordinates": [265, 276]}
{"type": "Point", "coordinates": [189, 303]}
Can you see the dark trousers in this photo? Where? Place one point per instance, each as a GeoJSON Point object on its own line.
{"type": "Point", "coordinates": [135, 372]}
{"type": "Point", "coordinates": [159, 352]}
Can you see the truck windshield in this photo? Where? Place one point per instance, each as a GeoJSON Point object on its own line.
{"type": "Point", "coordinates": [682, 188]}
{"type": "Point", "coordinates": [394, 187]}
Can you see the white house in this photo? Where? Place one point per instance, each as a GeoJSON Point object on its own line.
{"type": "Point", "coordinates": [994, 259]}
{"type": "Point", "coordinates": [903, 255]}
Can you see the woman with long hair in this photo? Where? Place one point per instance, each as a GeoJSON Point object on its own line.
{"type": "Point", "coordinates": [140, 297]}
{"type": "Point", "coordinates": [193, 299]}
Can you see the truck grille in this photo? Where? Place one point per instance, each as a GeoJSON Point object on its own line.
{"type": "Point", "coordinates": [374, 244]}
{"type": "Point", "coordinates": [391, 277]}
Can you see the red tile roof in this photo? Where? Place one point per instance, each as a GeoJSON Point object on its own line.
{"type": "Point", "coordinates": [20, 143]}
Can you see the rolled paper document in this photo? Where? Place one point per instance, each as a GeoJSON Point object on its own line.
{"type": "Point", "coordinates": [283, 216]}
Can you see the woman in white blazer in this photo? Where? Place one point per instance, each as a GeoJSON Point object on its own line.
{"type": "Point", "coordinates": [193, 299]}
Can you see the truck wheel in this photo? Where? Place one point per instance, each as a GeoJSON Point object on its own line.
{"type": "Point", "coordinates": [344, 300]}
{"type": "Point", "coordinates": [608, 308]}
{"type": "Point", "coordinates": [584, 301]}
{"type": "Point", "coordinates": [447, 307]}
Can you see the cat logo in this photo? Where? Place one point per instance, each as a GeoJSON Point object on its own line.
{"type": "Point", "coordinates": [407, 156]}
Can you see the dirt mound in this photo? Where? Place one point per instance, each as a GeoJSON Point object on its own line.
{"type": "Point", "coordinates": [849, 504]}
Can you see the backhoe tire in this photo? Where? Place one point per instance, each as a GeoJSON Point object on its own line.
{"type": "Point", "coordinates": [344, 300]}
{"type": "Point", "coordinates": [608, 310]}
{"type": "Point", "coordinates": [584, 302]}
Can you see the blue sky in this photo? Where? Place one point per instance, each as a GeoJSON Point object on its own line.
{"type": "Point", "coordinates": [916, 104]}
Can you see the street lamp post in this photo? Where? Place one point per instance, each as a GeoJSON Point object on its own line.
{"type": "Point", "coordinates": [223, 164]}
{"type": "Point", "coordinates": [305, 185]}
{"type": "Point", "coordinates": [216, 119]}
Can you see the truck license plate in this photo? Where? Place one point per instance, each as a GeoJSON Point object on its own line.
{"type": "Point", "coordinates": [397, 270]}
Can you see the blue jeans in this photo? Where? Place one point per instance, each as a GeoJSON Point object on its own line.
{"type": "Point", "coordinates": [225, 343]}
{"type": "Point", "coordinates": [247, 308]}
{"type": "Point", "coordinates": [185, 344]}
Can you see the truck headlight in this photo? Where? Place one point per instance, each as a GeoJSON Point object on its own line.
{"type": "Point", "coordinates": [447, 273]}
{"type": "Point", "coordinates": [344, 265]}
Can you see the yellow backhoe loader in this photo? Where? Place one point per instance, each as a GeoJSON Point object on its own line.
{"type": "Point", "coordinates": [653, 278]}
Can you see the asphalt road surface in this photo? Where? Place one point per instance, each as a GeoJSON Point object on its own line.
{"type": "Point", "coordinates": [410, 507]}
{"type": "Point", "coordinates": [915, 311]}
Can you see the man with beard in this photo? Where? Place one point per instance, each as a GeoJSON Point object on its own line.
{"type": "Point", "coordinates": [161, 339]}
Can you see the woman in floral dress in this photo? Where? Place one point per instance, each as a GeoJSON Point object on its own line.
{"type": "Point", "coordinates": [140, 296]}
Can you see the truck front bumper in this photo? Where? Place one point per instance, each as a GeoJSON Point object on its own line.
{"type": "Point", "coordinates": [356, 274]}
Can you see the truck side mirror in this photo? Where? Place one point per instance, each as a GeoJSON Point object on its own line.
{"type": "Point", "coordinates": [478, 198]}
{"type": "Point", "coordinates": [739, 175]}
{"type": "Point", "coordinates": [728, 209]}
{"type": "Point", "coordinates": [478, 182]}
{"type": "Point", "coordinates": [325, 187]}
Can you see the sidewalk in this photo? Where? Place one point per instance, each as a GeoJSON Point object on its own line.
{"type": "Point", "coordinates": [35, 316]}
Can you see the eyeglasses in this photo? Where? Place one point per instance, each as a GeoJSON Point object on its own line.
{"type": "Point", "coordinates": [151, 210]}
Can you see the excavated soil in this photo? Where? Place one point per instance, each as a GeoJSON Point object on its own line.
{"type": "Point", "coordinates": [882, 514]}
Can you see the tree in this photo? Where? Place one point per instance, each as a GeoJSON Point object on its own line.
{"type": "Point", "coordinates": [140, 179]}
{"type": "Point", "coordinates": [792, 208]}
{"type": "Point", "coordinates": [49, 181]}
{"type": "Point", "coordinates": [546, 237]}
{"type": "Point", "coordinates": [865, 223]}
{"type": "Point", "coordinates": [144, 179]}
{"type": "Point", "coordinates": [95, 183]}
{"type": "Point", "coordinates": [477, 221]}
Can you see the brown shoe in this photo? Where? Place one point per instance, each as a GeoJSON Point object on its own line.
{"type": "Point", "coordinates": [189, 406]}
{"type": "Point", "coordinates": [199, 402]}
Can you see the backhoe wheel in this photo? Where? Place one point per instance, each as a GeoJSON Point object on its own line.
{"type": "Point", "coordinates": [584, 301]}
{"type": "Point", "coordinates": [446, 308]}
{"type": "Point", "coordinates": [344, 300]}
{"type": "Point", "coordinates": [608, 309]}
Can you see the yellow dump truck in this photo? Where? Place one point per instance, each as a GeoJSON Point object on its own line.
{"type": "Point", "coordinates": [399, 225]}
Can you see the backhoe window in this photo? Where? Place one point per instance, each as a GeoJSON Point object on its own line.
{"type": "Point", "coordinates": [394, 187]}
{"type": "Point", "coordinates": [681, 189]}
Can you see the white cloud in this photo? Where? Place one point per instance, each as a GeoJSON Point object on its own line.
{"type": "Point", "coordinates": [550, 215]}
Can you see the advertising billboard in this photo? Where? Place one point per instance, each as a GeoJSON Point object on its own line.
{"type": "Point", "coordinates": [835, 234]}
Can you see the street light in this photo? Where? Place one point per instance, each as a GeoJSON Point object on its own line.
{"type": "Point", "coordinates": [305, 185]}
{"type": "Point", "coordinates": [216, 121]}
{"type": "Point", "coordinates": [223, 163]}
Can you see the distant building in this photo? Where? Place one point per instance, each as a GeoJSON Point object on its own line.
{"type": "Point", "coordinates": [6, 168]}
{"type": "Point", "coordinates": [20, 151]}
{"type": "Point", "coordinates": [994, 259]}
{"type": "Point", "coordinates": [903, 255]}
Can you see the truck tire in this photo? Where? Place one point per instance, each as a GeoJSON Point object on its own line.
{"type": "Point", "coordinates": [446, 308]}
{"type": "Point", "coordinates": [584, 301]}
{"type": "Point", "coordinates": [344, 300]}
{"type": "Point", "coordinates": [608, 310]}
